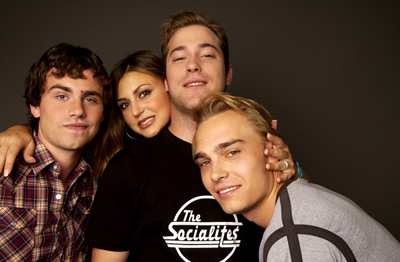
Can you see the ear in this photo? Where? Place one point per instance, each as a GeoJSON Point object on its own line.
{"type": "Point", "coordinates": [166, 85]}
{"type": "Point", "coordinates": [229, 76]}
{"type": "Point", "coordinates": [35, 111]}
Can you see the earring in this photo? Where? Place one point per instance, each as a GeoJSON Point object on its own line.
{"type": "Point", "coordinates": [129, 135]}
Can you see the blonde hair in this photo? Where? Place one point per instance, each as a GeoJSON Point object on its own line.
{"type": "Point", "coordinates": [217, 103]}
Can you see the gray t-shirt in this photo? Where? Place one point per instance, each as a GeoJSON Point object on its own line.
{"type": "Point", "coordinates": [313, 223]}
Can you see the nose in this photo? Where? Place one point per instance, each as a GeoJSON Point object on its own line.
{"type": "Point", "coordinates": [77, 109]}
{"type": "Point", "coordinates": [136, 109]}
{"type": "Point", "coordinates": [218, 172]}
{"type": "Point", "coordinates": [193, 65]}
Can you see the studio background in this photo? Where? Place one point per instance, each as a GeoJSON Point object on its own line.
{"type": "Point", "coordinates": [327, 70]}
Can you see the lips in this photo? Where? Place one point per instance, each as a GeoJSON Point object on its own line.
{"type": "Point", "coordinates": [146, 122]}
{"type": "Point", "coordinates": [76, 126]}
{"type": "Point", "coordinates": [195, 83]}
{"type": "Point", "coordinates": [227, 190]}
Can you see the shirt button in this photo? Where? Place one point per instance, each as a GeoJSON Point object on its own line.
{"type": "Point", "coordinates": [55, 167]}
{"type": "Point", "coordinates": [13, 223]}
{"type": "Point", "coordinates": [58, 196]}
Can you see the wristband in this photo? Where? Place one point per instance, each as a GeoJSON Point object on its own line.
{"type": "Point", "coordinates": [299, 170]}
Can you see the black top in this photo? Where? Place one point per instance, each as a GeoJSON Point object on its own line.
{"type": "Point", "coordinates": [152, 202]}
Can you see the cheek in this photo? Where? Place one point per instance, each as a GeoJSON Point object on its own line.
{"type": "Point", "coordinates": [165, 114]}
{"type": "Point", "coordinates": [98, 113]}
{"type": "Point", "coordinates": [206, 181]}
{"type": "Point", "coordinates": [162, 106]}
{"type": "Point", "coordinates": [174, 70]}
{"type": "Point", "coordinates": [128, 118]}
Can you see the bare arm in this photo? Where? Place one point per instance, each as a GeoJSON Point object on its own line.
{"type": "Point", "coordinates": [101, 255]}
{"type": "Point", "coordinates": [12, 141]}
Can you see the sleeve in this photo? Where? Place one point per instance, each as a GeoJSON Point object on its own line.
{"type": "Point", "coordinates": [110, 222]}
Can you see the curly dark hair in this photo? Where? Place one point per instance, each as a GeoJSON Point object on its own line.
{"type": "Point", "coordinates": [67, 60]}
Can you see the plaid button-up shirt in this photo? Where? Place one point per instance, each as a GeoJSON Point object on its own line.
{"type": "Point", "coordinates": [40, 219]}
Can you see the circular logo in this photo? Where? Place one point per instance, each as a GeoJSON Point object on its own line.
{"type": "Point", "coordinates": [202, 231]}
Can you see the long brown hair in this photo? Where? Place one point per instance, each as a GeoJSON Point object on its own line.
{"type": "Point", "coordinates": [144, 61]}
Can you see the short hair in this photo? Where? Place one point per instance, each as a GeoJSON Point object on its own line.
{"type": "Point", "coordinates": [187, 18]}
{"type": "Point", "coordinates": [217, 103]}
{"type": "Point", "coordinates": [67, 60]}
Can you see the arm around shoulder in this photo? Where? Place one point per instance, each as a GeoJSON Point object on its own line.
{"type": "Point", "coordinates": [101, 255]}
{"type": "Point", "coordinates": [12, 141]}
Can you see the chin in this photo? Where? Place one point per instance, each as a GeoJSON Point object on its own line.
{"type": "Point", "coordinates": [230, 210]}
{"type": "Point", "coordinates": [150, 133]}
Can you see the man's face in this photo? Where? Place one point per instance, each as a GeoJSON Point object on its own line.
{"type": "Point", "coordinates": [194, 67]}
{"type": "Point", "coordinates": [70, 112]}
{"type": "Point", "coordinates": [230, 154]}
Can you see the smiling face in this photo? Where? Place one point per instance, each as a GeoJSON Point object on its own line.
{"type": "Point", "coordinates": [230, 154]}
{"type": "Point", "coordinates": [144, 103]}
{"type": "Point", "coordinates": [194, 67]}
{"type": "Point", "coordinates": [70, 112]}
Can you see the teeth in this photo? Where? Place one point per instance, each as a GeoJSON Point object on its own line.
{"type": "Point", "coordinates": [147, 120]}
{"type": "Point", "coordinates": [227, 190]}
{"type": "Point", "coordinates": [195, 84]}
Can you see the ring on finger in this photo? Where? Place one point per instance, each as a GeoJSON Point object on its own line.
{"type": "Point", "coordinates": [286, 165]}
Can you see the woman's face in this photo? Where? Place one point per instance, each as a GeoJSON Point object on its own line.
{"type": "Point", "coordinates": [144, 103]}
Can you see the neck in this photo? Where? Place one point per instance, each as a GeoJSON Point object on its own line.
{"type": "Point", "coordinates": [67, 164]}
{"type": "Point", "coordinates": [66, 159]}
{"type": "Point", "coordinates": [262, 214]}
{"type": "Point", "coordinates": [182, 126]}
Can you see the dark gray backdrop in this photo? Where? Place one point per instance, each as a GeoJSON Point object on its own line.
{"type": "Point", "coordinates": [327, 70]}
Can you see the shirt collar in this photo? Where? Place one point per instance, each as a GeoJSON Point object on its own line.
{"type": "Point", "coordinates": [44, 158]}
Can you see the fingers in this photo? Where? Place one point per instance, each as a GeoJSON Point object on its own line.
{"type": "Point", "coordinates": [282, 177]}
{"type": "Point", "coordinates": [276, 154]}
{"type": "Point", "coordinates": [276, 141]}
{"type": "Point", "coordinates": [284, 174]}
{"type": "Point", "coordinates": [279, 158]}
{"type": "Point", "coordinates": [276, 149]}
{"type": "Point", "coordinates": [7, 158]}
{"type": "Point", "coordinates": [274, 124]}
{"type": "Point", "coordinates": [12, 141]}
{"type": "Point", "coordinates": [2, 158]}
{"type": "Point", "coordinates": [10, 156]}
{"type": "Point", "coordinates": [28, 152]}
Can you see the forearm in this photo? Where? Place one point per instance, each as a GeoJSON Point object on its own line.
{"type": "Point", "coordinates": [101, 255]}
{"type": "Point", "coordinates": [12, 141]}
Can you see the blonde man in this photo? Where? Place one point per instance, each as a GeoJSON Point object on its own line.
{"type": "Point", "coordinates": [302, 221]}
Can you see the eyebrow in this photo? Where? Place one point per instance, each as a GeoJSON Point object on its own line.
{"type": "Point", "coordinates": [226, 144]}
{"type": "Point", "coordinates": [134, 92]}
{"type": "Point", "coordinates": [204, 45]}
{"type": "Point", "coordinates": [209, 45]}
{"type": "Point", "coordinates": [69, 90]}
{"type": "Point", "coordinates": [90, 93]}
{"type": "Point", "coordinates": [64, 88]}
{"type": "Point", "coordinates": [218, 148]}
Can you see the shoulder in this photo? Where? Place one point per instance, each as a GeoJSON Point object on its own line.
{"type": "Point", "coordinates": [142, 150]}
{"type": "Point", "coordinates": [134, 162]}
{"type": "Point", "coordinates": [318, 196]}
